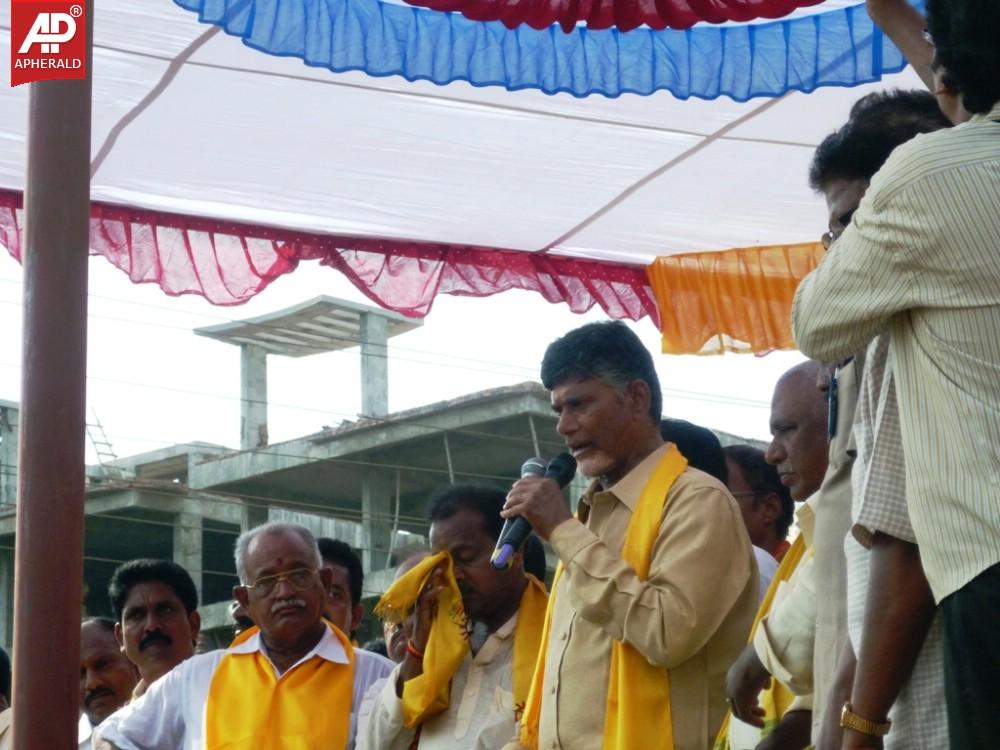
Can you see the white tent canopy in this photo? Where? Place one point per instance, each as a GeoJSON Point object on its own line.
{"type": "Point", "coordinates": [189, 120]}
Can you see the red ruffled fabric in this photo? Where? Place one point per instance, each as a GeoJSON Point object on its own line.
{"type": "Point", "coordinates": [229, 262]}
{"type": "Point", "coordinates": [624, 15]}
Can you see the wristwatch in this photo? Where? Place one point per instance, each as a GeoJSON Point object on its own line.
{"type": "Point", "coordinates": [850, 720]}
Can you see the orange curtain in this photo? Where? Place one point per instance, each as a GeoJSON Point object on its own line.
{"type": "Point", "coordinates": [737, 300]}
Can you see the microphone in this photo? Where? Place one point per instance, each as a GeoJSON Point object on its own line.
{"type": "Point", "coordinates": [515, 531]}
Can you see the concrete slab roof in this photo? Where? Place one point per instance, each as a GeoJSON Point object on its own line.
{"type": "Point", "coordinates": [170, 462]}
{"type": "Point", "coordinates": [323, 324]}
{"type": "Point", "coordinates": [483, 437]}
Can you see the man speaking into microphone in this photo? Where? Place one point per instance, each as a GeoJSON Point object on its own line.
{"type": "Point", "coordinates": [657, 583]}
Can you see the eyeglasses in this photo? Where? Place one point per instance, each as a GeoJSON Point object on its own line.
{"type": "Point", "coordinates": [300, 580]}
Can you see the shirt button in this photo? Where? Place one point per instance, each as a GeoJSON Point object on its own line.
{"type": "Point", "coordinates": [563, 636]}
{"type": "Point", "coordinates": [553, 691]}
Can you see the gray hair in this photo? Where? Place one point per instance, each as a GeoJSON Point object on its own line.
{"type": "Point", "coordinates": [270, 529]}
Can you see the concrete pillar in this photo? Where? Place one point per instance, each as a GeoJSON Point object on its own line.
{"type": "Point", "coordinates": [377, 490]}
{"type": "Point", "coordinates": [374, 365]}
{"type": "Point", "coordinates": [253, 397]}
{"type": "Point", "coordinates": [253, 516]}
{"type": "Point", "coordinates": [189, 542]}
{"type": "Point", "coordinates": [6, 599]}
{"type": "Point", "coordinates": [8, 454]}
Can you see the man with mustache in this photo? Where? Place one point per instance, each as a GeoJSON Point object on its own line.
{"type": "Point", "coordinates": [289, 681]}
{"type": "Point", "coordinates": [481, 700]}
{"type": "Point", "coordinates": [158, 622]}
{"type": "Point", "coordinates": [657, 585]}
{"type": "Point", "coordinates": [107, 678]}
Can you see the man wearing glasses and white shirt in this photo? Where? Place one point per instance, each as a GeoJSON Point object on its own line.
{"type": "Point", "coordinates": [290, 681]}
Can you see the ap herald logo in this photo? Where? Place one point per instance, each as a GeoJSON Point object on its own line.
{"type": "Point", "coordinates": [48, 41]}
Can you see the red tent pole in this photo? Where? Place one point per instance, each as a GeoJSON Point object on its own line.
{"type": "Point", "coordinates": [48, 578]}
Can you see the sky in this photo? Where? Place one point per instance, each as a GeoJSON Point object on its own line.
{"type": "Point", "coordinates": [153, 383]}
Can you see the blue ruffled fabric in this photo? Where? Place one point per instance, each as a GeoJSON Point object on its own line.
{"type": "Point", "coordinates": [835, 48]}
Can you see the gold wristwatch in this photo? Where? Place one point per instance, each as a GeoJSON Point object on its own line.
{"type": "Point", "coordinates": [850, 720]}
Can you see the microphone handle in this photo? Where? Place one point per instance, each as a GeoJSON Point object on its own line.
{"type": "Point", "coordinates": [517, 530]}
{"type": "Point", "coordinates": [514, 528]}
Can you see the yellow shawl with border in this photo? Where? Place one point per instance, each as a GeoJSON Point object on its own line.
{"type": "Point", "coordinates": [638, 705]}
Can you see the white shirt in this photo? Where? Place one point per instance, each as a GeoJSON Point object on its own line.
{"type": "Point", "coordinates": [767, 566]}
{"type": "Point", "coordinates": [480, 715]}
{"type": "Point", "coordinates": [171, 714]}
{"type": "Point", "coordinates": [84, 732]}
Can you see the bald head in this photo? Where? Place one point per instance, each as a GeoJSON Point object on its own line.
{"type": "Point", "coordinates": [808, 374]}
{"type": "Point", "coordinates": [798, 446]}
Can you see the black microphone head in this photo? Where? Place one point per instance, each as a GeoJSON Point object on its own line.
{"type": "Point", "coordinates": [533, 467]}
{"type": "Point", "coordinates": [562, 468]}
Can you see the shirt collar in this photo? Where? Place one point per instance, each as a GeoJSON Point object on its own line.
{"type": "Point", "coordinates": [629, 488]}
{"type": "Point", "coordinates": [329, 648]}
{"type": "Point", "coordinates": [993, 114]}
{"type": "Point", "coordinates": [506, 630]}
{"type": "Point", "coordinates": [84, 729]}
{"type": "Point", "coordinates": [805, 516]}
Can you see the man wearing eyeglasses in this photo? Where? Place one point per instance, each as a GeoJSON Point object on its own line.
{"type": "Point", "coordinates": [292, 680]}
{"type": "Point", "coordinates": [767, 506]}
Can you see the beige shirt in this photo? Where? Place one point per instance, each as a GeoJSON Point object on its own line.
{"type": "Point", "coordinates": [691, 617]}
{"type": "Point", "coordinates": [480, 715]}
{"type": "Point", "coordinates": [919, 262]}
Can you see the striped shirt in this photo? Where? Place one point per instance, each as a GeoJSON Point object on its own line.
{"type": "Point", "coordinates": [919, 718]}
{"type": "Point", "coordinates": [920, 262]}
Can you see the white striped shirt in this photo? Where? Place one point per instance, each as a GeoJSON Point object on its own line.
{"type": "Point", "coordinates": [921, 261]}
{"type": "Point", "coordinates": [919, 718]}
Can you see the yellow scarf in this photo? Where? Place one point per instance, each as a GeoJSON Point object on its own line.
{"type": "Point", "coordinates": [308, 708]}
{"type": "Point", "coordinates": [429, 694]}
{"type": "Point", "coordinates": [528, 640]}
{"type": "Point", "coordinates": [638, 704]}
{"type": "Point", "coordinates": [776, 698]}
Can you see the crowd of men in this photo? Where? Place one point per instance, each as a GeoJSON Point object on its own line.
{"type": "Point", "coordinates": [684, 613]}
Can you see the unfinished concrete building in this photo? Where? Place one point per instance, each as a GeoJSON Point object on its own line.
{"type": "Point", "coordinates": [364, 481]}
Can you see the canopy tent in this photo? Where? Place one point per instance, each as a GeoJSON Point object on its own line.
{"type": "Point", "coordinates": [216, 168]}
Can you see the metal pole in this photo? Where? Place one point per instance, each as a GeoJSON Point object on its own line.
{"type": "Point", "coordinates": [447, 455]}
{"type": "Point", "coordinates": [48, 577]}
{"type": "Point", "coordinates": [534, 435]}
{"type": "Point", "coordinates": [395, 519]}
